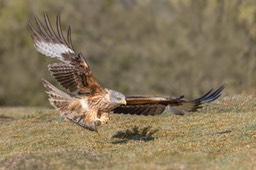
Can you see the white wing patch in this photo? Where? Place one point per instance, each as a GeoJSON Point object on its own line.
{"type": "Point", "coordinates": [84, 104]}
{"type": "Point", "coordinates": [53, 50]}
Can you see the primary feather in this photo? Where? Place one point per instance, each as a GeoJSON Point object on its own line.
{"type": "Point", "coordinates": [47, 42]}
{"type": "Point", "coordinates": [140, 104]}
{"type": "Point", "coordinates": [88, 103]}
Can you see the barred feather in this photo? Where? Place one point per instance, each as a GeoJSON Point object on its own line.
{"type": "Point", "coordinates": [144, 105]}
{"type": "Point", "coordinates": [71, 107]}
{"type": "Point", "coordinates": [47, 42]}
{"type": "Point", "coordinates": [146, 110]}
{"type": "Point", "coordinates": [74, 74]}
{"type": "Point", "coordinates": [64, 74]}
{"type": "Point", "coordinates": [58, 99]}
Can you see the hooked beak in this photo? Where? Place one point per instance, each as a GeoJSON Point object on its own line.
{"type": "Point", "coordinates": [123, 101]}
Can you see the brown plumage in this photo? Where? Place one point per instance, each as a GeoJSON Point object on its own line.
{"type": "Point", "coordinates": [88, 103]}
{"type": "Point", "coordinates": [146, 105]}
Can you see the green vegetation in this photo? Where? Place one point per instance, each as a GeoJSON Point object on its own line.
{"type": "Point", "coordinates": [220, 136]}
{"type": "Point", "coordinates": [169, 47]}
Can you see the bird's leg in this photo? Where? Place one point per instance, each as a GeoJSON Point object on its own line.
{"type": "Point", "coordinates": [104, 118]}
{"type": "Point", "coordinates": [92, 121]}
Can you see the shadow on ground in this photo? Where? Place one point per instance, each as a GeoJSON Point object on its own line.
{"type": "Point", "coordinates": [135, 133]}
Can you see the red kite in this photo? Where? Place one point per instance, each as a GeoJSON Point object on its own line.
{"type": "Point", "coordinates": [88, 103]}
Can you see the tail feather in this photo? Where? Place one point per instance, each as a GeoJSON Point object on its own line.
{"type": "Point", "coordinates": [58, 99]}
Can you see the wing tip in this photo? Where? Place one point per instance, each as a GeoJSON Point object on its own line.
{"type": "Point", "coordinates": [43, 34]}
{"type": "Point", "coordinates": [208, 97]}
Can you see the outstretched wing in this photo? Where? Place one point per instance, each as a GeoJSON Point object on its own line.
{"type": "Point", "coordinates": [143, 105]}
{"type": "Point", "coordinates": [73, 72]}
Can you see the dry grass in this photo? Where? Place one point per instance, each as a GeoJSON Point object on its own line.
{"type": "Point", "coordinates": [221, 136]}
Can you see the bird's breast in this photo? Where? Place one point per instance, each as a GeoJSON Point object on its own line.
{"type": "Point", "coordinates": [100, 103]}
{"type": "Point", "coordinates": [84, 104]}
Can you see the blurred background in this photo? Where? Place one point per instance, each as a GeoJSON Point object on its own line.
{"type": "Point", "coordinates": [165, 47]}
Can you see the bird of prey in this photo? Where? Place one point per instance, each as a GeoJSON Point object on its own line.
{"type": "Point", "coordinates": [87, 103]}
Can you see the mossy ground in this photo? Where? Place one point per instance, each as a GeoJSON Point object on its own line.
{"type": "Point", "coordinates": [220, 136]}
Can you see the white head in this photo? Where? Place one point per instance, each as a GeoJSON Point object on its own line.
{"type": "Point", "coordinates": [116, 98]}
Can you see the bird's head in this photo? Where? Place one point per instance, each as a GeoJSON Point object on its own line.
{"type": "Point", "coordinates": [116, 98]}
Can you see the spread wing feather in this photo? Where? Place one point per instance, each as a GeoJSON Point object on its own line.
{"type": "Point", "coordinates": [58, 99]}
{"type": "Point", "coordinates": [141, 109]}
{"type": "Point", "coordinates": [73, 73]}
{"type": "Point", "coordinates": [70, 107]}
{"type": "Point", "coordinates": [143, 105]}
{"type": "Point", "coordinates": [64, 74]}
